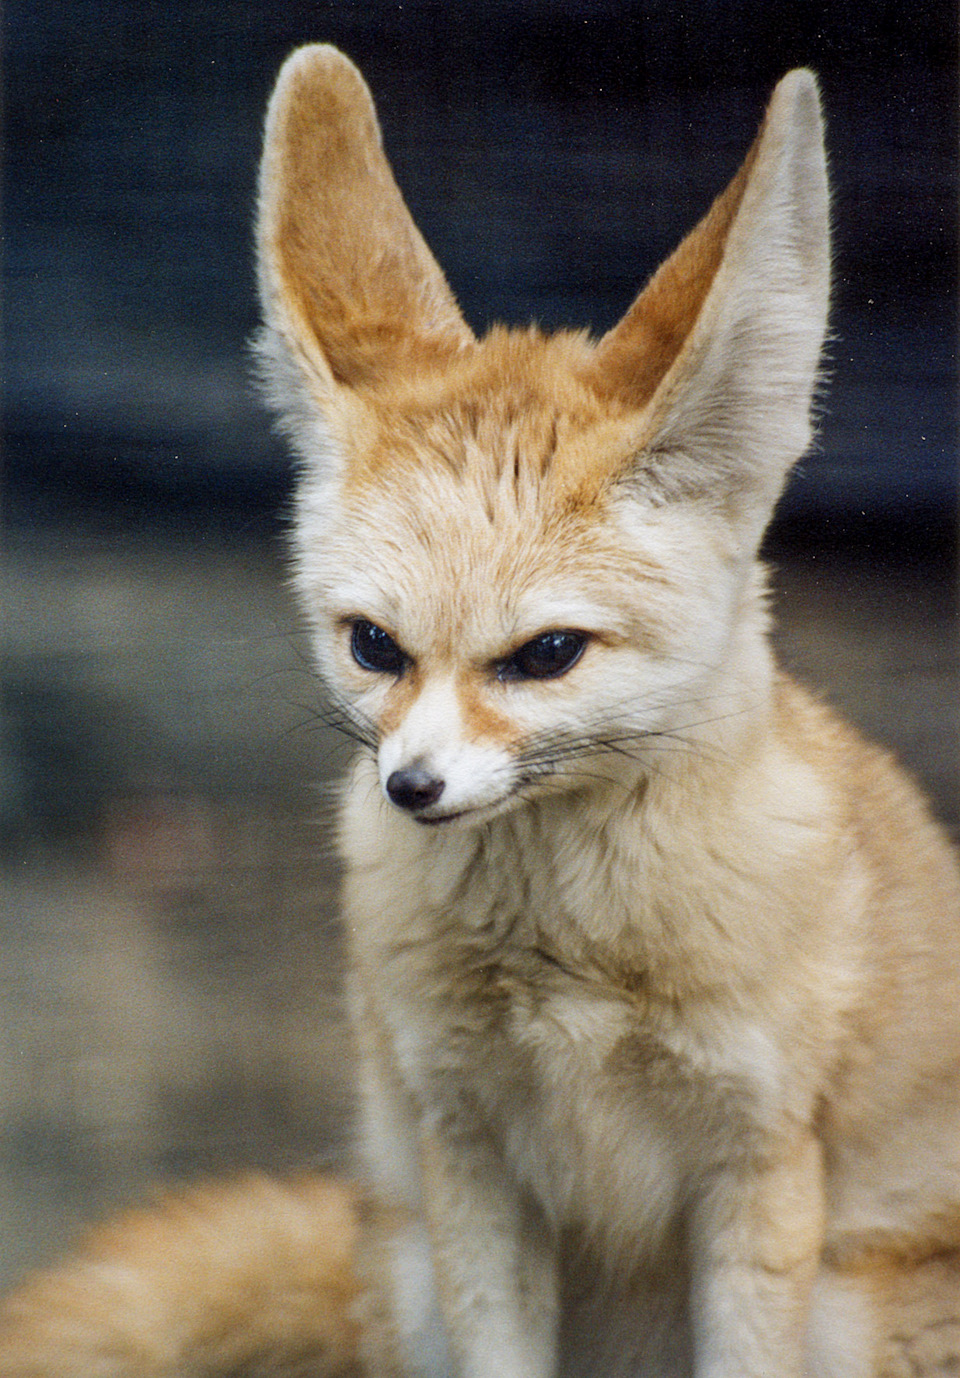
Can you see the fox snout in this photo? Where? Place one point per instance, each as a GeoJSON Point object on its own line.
{"type": "Point", "coordinates": [457, 778]}
{"type": "Point", "coordinates": [414, 787]}
{"type": "Point", "coordinates": [435, 763]}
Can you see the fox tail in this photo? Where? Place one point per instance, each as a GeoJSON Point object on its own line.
{"type": "Point", "coordinates": [251, 1277]}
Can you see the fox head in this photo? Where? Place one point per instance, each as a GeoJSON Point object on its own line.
{"type": "Point", "coordinates": [529, 561]}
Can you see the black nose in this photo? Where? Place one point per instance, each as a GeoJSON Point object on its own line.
{"type": "Point", "coordinates": [414, 788]}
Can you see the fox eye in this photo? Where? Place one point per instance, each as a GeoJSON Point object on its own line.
{"type": "Point", "coordinates": [374, 649]}
{"type": "Point", "coordinates": [544, 657]}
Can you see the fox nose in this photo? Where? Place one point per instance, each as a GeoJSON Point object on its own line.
{"type": "Point", "coordinates": [414, 788]}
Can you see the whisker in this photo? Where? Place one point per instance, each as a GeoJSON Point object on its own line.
{"type": "Point", "coordinates": [546, 751]}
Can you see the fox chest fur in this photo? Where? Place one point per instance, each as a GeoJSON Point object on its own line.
{"type": "Point", "coordinates": [554, 985]}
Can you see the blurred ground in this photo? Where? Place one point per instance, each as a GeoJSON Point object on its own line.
{"type": "Point", "coordinates": [171, 971]}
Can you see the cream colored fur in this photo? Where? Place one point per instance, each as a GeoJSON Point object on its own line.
{"type": "Point", "coordinates": [657, 979]}
{"type": "Point", "coordinates": [252, 1278]}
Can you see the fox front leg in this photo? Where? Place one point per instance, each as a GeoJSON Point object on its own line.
{"type": "Point", "coordinates": [495, 1264]}
{"type": "Point", "coordinates": [757, 1233]}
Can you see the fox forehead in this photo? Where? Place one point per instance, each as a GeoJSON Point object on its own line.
{"type": "Point", "coordinates": [422, 554]}
{"type": "Point", "coordinates": [475, 507]}
{"type": "Point", "coordinates": [432, 558]}
{"type": "Point", "coordinates": [513, 413]}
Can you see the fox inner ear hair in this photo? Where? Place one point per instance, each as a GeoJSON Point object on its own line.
{"type": "Point", "coordinates": [728, 335]}
{"type": "Point", "coordinates": [347, 284]}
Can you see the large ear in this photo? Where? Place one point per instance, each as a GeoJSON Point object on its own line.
{"type": "Point", "coordinates": [721, 348]}
{"type": "Point", "coordinates": [350, 292]}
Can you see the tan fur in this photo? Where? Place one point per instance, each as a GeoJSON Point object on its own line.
{"type": "Point", "coordinates": [253, 1277]}
{"type": "Point", "coordinates": [632, 359]}
{"type": "Point", "coordinates": [657, 987]}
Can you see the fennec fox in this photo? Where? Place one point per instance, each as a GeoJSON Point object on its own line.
{"type": "Point", "coordinates": [655, 965]}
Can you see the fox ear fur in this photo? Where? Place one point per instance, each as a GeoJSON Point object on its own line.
{"type": "Point", "coordinates": [717, 358]}
{"type": "Point", "coordinates": [349, 289]}
{"type": "Point", "coordinates": [721, 348]}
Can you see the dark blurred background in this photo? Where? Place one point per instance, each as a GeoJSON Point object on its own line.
{"type": "Point", "coordinates": [170, 974]}
{"type": "Point", "coordinates": [552, 152]}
